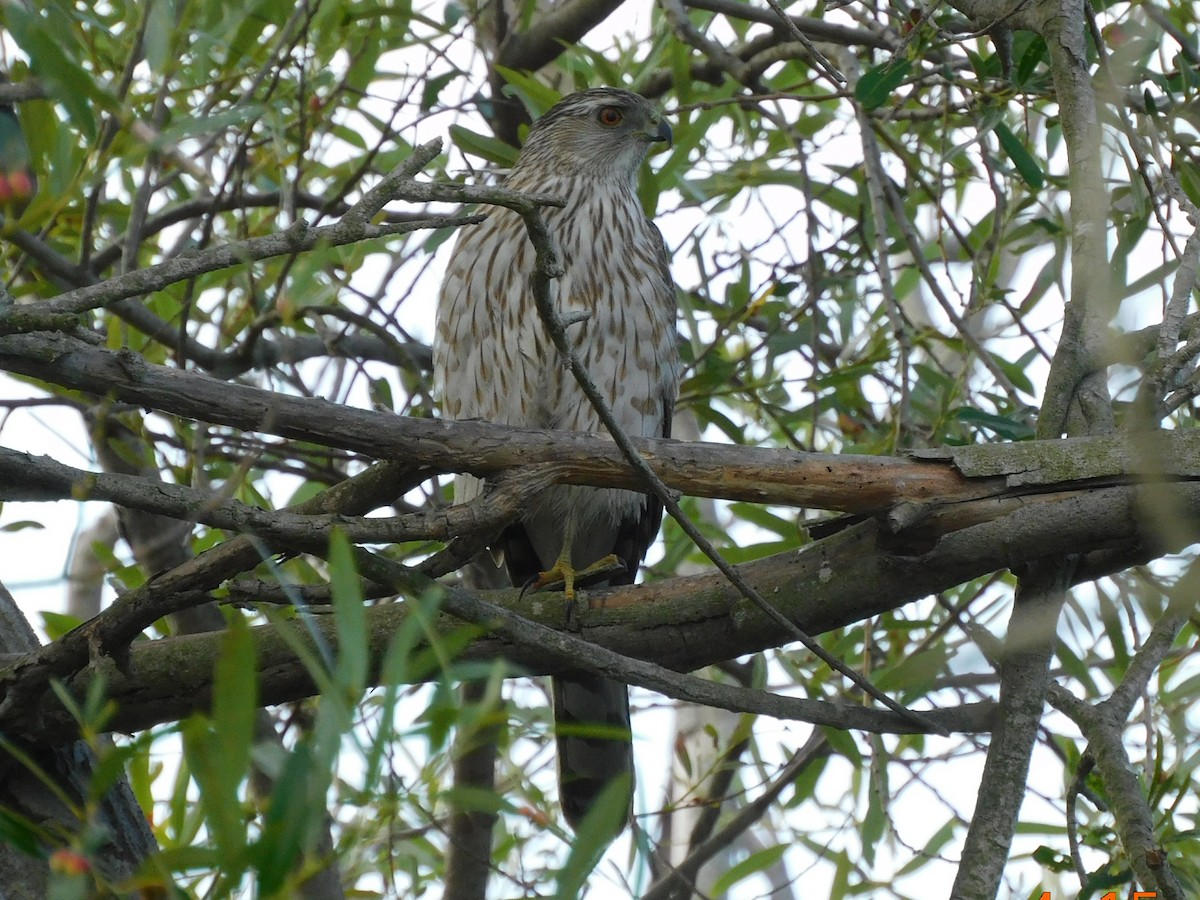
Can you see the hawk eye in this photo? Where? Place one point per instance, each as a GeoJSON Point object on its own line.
{"type": "Point", "coordinates": [611, 116]}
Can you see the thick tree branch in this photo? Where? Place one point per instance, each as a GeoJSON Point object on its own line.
{"type": "Point", "coordinates": [482, 449]}
{"type": "Point", "coordinates": [553, 32]}
{"type": "Point", "coordinates": [682, 624]}
{"type": "Point", "coordinates": [848, 483]}
{"type": "Point", "coordinates": [1024, 680]}
{"type": "Point", "coordinates": [1076, 381]}
{"type": "Point", "coordinates": [548, 36]}
{"type": "Point", "coordinates": [1076, 401]}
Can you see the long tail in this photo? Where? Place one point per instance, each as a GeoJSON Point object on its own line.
{"type": "Point", "coordinates": [591, 716]}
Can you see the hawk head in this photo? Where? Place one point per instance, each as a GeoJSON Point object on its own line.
{"type": "Point", "coordinates": [599, 133]}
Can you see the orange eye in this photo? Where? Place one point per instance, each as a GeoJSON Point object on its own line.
{"type": "Point", "coordinates": [611, 116]}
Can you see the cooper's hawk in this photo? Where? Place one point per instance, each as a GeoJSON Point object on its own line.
{"type": "Point", "coordinates": [494, 361]}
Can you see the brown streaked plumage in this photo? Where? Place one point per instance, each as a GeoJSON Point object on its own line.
{"type": "Point", "coordinates": [493, 361]}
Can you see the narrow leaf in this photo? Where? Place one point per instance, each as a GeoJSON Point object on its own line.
{"type": "Point", "coordinates": [350, 617]}
{"type": "Point", "coordinates": [235, 699]}
{"type": "Point", "coordinates": [877, 84]}
{"type": "Point", "coordinates": [1028, 167]}
{"type": "Point", "coordinates": [752, 865]}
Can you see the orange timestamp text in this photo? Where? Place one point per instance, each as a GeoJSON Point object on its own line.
{"type": "Point", "coordinates": [1113, 895]}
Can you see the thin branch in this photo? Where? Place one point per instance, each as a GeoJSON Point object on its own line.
{"type": "Point", "coordinates": [1024, 680]}
{"type": "Point", "coordinates": [680, 882]}
{"type": "Point", "coordinates": [354, 226]}
{"type": "Point", "coordinates": [548, 267]}
{"type": "Point", "coordinates": [1103, 727]}
{"type": "Point", "coordinates": [811, 27]}
{"type": "Point", "coordinates": [964, 331]}
{"type": "Point", "coordinates": [1170, 361]}
{"type": "Point", "coordinates": [39, 479]}
{"type": "Point", "coordinates": [297, 238]}
{"type": "Point", "coordinates": [873, 166]}
{"type": "Point", "coordinates": [689, 34]}
{"type": "Point", "coordinates": [818, 57]}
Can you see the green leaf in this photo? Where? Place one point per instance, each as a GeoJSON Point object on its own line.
{"type": "Point", "coordinates": [235, 697]}
{"type": "Point", "coordinates": [1003, 426]}
{"type": "Point", "coordinates": [1034, 54]}
{"type": "Point", "coordinates": [218, 791]}
{"type": "Point", "coordinates": [877, 84]}
{"type": "Point", "coordinates": [22, 525]}
{"type": "Point", "coordinates": [218, 750]}
{"type": "Point", "coordinates": [843, 742]}
{"type": "Point", "coordinates": [483, 146]}
{"type": "Point", "coordinates": [189, 126]}
{"type": "Point", "coordinates": [290, 816]}
{"type": "Point", "coordinates": [63, 78]}
{"type": "Point", "coordinates": [1018, 370]}
{"type": "Point", "coordinates": [744, 553]}
{"type": "Point", "coordinates": [874, 822]}
{"type": "Point", "coordinates": [380, 391]}
{"type": "Point", "coordinates": [532, 92]}
{"type": "Point", "coordinates": [434, 87]}
{"type": "Point", "coordinates": [58, 624]}
{"type": "Point", "coordinates": [22, 833]}
{"type": "Point", "coordinates": [764, 518]}
{"type": "Point", "coordinates": [350, 616]}
{"type": "Point", "coordinates": [159, 37]}
{"type": "Point", "coordinates": [313, 658]}
{"type": "Point", "coordinates": [914, 674]}
{"type": "Point", "coordinates": [603, 821]}
{"type": "Point", "coordinates": [1028, 167]}
{"type": "Point", "coordinates": [932, 849]}
{"type": "Point", "coordinates": [68, 885]}
{"type": "Point", "coordinates": [1152, 280]}
{"type": "Point", "coordinates": [751, 865]}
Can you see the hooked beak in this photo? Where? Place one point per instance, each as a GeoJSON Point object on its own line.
{"type": "Point", "coordinates": [661, 133]}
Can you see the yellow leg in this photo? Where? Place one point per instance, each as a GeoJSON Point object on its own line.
{"type": "Point", "coordinates": [562, 572]}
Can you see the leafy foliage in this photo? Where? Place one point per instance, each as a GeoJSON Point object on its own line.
{"type": "Point", "coordinates": [865, 267]}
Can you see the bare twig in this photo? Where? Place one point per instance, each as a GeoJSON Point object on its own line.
{"type": "Point", "coordinates": [677, 16]}
{"type": "Point", "coordinates": [354, 226]}
{"type": "Point", "coordinates": [33, 478]}
{"type": "Point", "coordinates": [680, 882]}
{"type": "Point", "coordinates": [295, 239]}
{"type": "Point", "coordinates": [1103, 726]}
{"type": "Point", "coordinates": [818, 57]}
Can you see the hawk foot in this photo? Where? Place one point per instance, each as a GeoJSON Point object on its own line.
{"type": "Point", "coordinates": [563, 574]}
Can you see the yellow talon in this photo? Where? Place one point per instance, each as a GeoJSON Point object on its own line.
{"type": "Point", "coordinates": [562, 572]}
